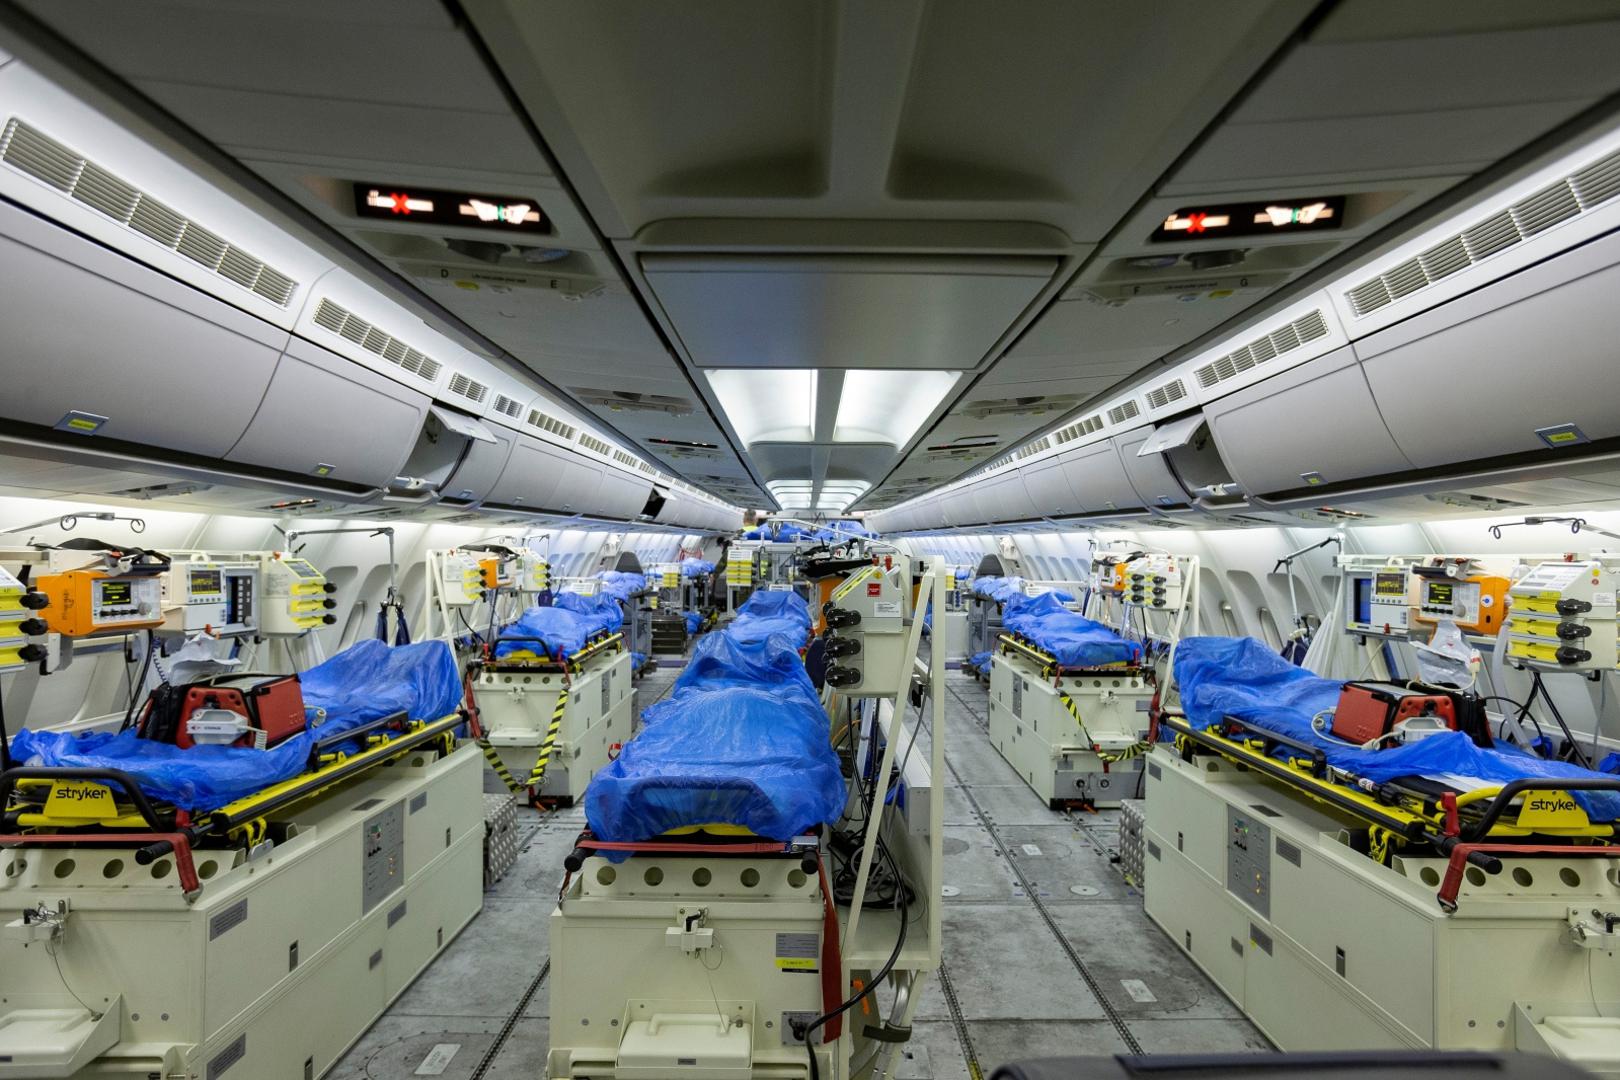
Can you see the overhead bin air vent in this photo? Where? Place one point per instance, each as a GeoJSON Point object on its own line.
{"type": "Point", "coordinates": [1124, 411]}
{"type": "Point", "coordinates": [624, 459]}
{"type": "Point", "coordinates": [507, 406]}
{"type": "Point", "coordinates": [1034, 448]}
{"type": "Point", "coordinates": [1266, 347]}
{"type": "Point", "coordinates": [1170, 392]}
{"type": "Point", "coordinates": [1557, 202]}
{"type": "Point", "coordinates": [646, 468]}
{"type": "Point", "coordinates": [30, 151]}
{"type": "Point", "coordinates": [346, 324]}
{"type": "Point", "coordinates": [591, 442]}
{"type": "Point", "coordinates": [467, 387]}
{"type": "Point", "coordinates": [1079, 428]}
{"type": "Point", "coordinates": [551, 424]}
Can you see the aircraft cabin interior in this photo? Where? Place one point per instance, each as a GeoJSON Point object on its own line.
{"type": "Point", "coordinates": [809, 540]}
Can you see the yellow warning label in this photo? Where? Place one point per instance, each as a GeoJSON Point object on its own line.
{"type": "Point", "coordinates": [795, 963]}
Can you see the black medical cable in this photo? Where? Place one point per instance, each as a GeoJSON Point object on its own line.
{"type": "Point", "coordinates": [901, 898]}
{"type": "Point", "coordinates": [5, 736]}
{"type": "Point", "coordinates": [872, 983]}
{"type": "Point", "coordinates": [1538, 686]}
{"type": "Point", "coordinates": [462, 615]}
{"type": "Point", "coordinates": [146, 664]}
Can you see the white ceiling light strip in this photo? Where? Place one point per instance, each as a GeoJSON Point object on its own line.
{"type": "Point", "coordinates": [768, 404]}
{"type": "Point", "coordinates": [888, 406]}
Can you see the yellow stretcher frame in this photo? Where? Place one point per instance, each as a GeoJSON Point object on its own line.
{"type": "Point", "coordinates": [1050, 668]}
{"type": "Point", "coordinates": [528, 660]}
{"type": "Point", "coordinates": [246, 820]}
{"type": "Point", "coordinates": [1414, 817]}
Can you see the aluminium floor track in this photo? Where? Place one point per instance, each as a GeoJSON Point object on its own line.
{"type": "Point", "coordinates": [1047, 951]}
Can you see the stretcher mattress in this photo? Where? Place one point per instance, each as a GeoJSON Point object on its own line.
{"type": "Point", "coordinates": [367, 681]}
{"type": "Point", "coordinates": [1072, 640]}
{"type": "Point", "coordinates": [741, 740]}
{"type": "Point", "coordinates": [691, 568]}
{"type": "Point", "coordinates": [1240, 677]}
{"type": "Point", "coordinates": [565, 627]}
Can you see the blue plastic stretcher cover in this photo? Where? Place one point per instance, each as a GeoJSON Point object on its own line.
{"type": "Point", "coordinates": [771, 613]}
{"type": "Point", "coordinates": [564, 627]}
{"type": "Point", "coordinates": [364, 682]}
{"type": "Point", "coordinates": [1072, 640]}
{"type": "Point", "coordinates": [1220, 677]}
{"type": "Point", "coordinates": [694, 621]}
{"type": "Point", "coordinates": [999, 589]}
{"type": "Point", "coordinates": [621, 584]}
{"type": "Point", "coordinates": [741, 740]}
{"type": "Point", "coordinates": [693, 567]}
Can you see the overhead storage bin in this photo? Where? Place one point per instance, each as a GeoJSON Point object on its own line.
{"type": "Point", "coordinates": [480, 467]}
{"type": "Point", "coordinates": [1047, 484]}
{"type": "Point", "coordinates": [97, 343]}
{"type": "Point", "coordinates": [445, 439]}
{"type": "Point", "coordinates": [1099, 480]}
{"type": "Point", "coordinates": [532, 477]}
{"type": "Point", "coordinates": [1526, 363]}
{"type": "Point", "coordinates": [676, 509]}
{"type": "Point", "coordinates": [576, 489]}
{"type": "Point", "coordinates": [1002, 498]}
{"type": "Point", "coordinates": [613, 495]}
{"type": "Point", "coordinates": [1187, 444]}
{"type": "Point", "coordinates": [1309, 426]}
{"type": "Point", "coordinates": [328, 417]}
{"type": "Point", "coordinates": [1149, 474]}
{"type": "Point", "coordinates": [961, 507]}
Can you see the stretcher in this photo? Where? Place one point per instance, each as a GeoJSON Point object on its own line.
{"type": "Point", "coordinates": [1068, 704]}
{"type": "Point", "coordinates": [741, 740]}
{"type": "Point", "coordinates": [268, 929]}
{"type": "Point", "coordinates": [695, 908]}
{"type": "Point", "coordinates": [1435, 894]}
{"type": "Point", "coordinates": [772, 612]}
{"type": "Point", "coordinates": [551, 698]}
{"type": "Point", "coordinates": [561, 630]}
{"type": "Point", "coordinates": [1441, 793]}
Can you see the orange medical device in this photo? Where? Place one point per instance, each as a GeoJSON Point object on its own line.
{"type": "Point", "coordinates": [1477, 604]}
{"type": "Point", "coordinates": [78, 603]}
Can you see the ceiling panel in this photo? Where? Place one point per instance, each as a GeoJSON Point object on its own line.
{"type": "Point", "coordinates": [815, 311]}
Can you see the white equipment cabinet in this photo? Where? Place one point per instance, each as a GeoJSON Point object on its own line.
{"type": "Point", "coordinates": [1326, 949]}
{"type": "Point", "coordinates": [517, 703]}
{"type": "Point", "coordinates": [275, 967]}
{"type": "Point", "coordinates": [1062, 759]}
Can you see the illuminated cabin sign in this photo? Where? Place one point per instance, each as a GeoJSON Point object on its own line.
{"type": "Point", "coordinates": [432, 206]}
{"type": "Point", "coordinates": [1251, 219]}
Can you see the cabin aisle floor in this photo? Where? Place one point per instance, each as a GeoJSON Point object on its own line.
{"type": "Point", "coordinates": [1017, 992]}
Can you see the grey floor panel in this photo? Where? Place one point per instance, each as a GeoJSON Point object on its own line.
{"type": "Point", "coordinates": [1119, 943]}
{"type": "Point", "coordinates": [487, 967]}
{"type": "Point", "coordinates": [1006, 966]}
{"type": "Point", "coordinates": [975, 869]}
{"type": "Point", "coordinates": [1000, 1041]}
{"type": "Point", "coordinates": [1015, 804]}
{"type": "Point", "coordinates": [1058, 858]}
{"type": "Point", "coordinates": [1198, 1036]}
{"type": "Point", "coordinates": [397, 1048]}
{"type": "Point", "coordinates": [934, 1053]}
